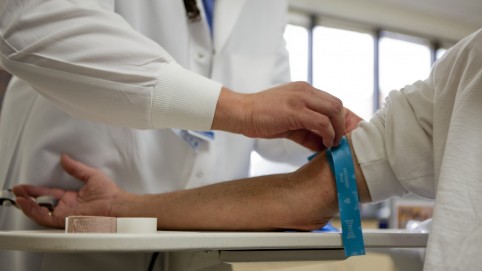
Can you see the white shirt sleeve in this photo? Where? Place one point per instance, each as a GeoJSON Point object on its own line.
{"type": "Point", "coordinates": [93, 65]}
{"type": "Point", "coordinates": [404, 146]}
{"type": "Point", "coordinates": [394, 148]}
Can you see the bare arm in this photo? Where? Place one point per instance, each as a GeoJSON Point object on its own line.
{"type": "Point", "coordinates": [303, 200]}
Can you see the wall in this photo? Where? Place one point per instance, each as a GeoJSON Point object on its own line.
{"type": "Point", "coordinates": [396, 17]}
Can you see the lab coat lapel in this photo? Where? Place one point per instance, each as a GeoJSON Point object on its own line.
{"type": "Point", "coordinates": [226, 13]}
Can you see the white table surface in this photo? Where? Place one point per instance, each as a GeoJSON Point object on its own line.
{"type": "Point", "coordinates": [59, 241]}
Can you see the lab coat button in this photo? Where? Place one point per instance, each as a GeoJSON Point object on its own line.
{"type": "Point", "coordinates": [199, 174]}
{"type": "Point", "coordinates": [200, 55]}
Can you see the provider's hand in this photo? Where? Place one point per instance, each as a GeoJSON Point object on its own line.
{"type": "Point", "coordinates": [94, 198]}
{"type": "Point", "coordinates": [297, 111]}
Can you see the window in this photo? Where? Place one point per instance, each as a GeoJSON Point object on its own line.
{"type": "Point", "coordinates": [343, 66]}
{"type": "Point", "coordinates": [403, 60]}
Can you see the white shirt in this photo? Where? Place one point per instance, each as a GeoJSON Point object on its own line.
{"type": "Point", "coordinates": [428, 140]}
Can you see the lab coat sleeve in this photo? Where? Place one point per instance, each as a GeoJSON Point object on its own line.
{"type": "Point", "coordinates": [394, 148]}
{"type": "Point", "coordinates": [90, 63]}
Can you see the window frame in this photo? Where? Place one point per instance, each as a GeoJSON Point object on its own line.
{"type": "Point", "coordinates": [310, 20]}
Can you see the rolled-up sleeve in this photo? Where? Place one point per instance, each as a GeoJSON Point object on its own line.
{"type": "Point", "coordinates": [90, 63]}
{"type": "Point", "coordinates": [395, 149]}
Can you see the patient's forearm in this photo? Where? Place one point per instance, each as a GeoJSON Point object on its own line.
{"type": "Point", "coordinates": [262, 203]}
{"type": "Point", "coordinates": [304, 200]}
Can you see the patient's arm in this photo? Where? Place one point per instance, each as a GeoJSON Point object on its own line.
{"type": "Point", "coordinates": [303, 200]}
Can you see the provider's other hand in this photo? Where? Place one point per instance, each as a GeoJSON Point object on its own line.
{"type": "Point", "coordinates": [95, 197]}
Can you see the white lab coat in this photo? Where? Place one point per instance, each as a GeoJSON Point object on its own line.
{"type": "Point", "coordinates": [89, 66]}
{"type": "Point", "coordinates": [427, 140]}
